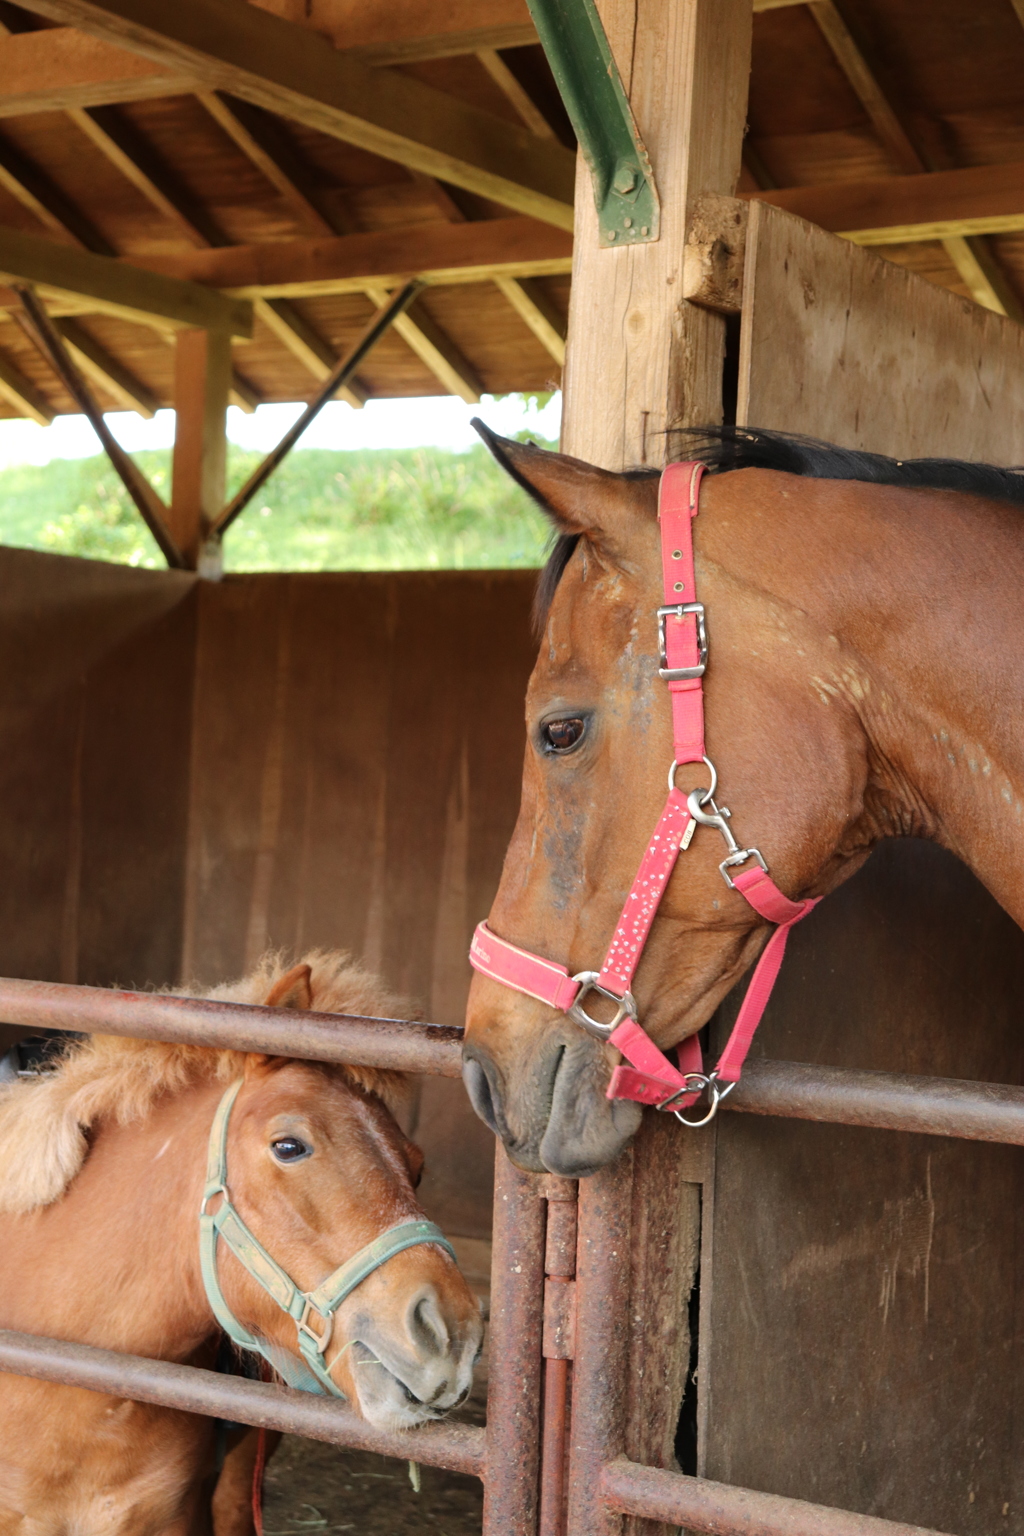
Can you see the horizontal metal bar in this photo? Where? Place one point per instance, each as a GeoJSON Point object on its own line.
{"type": "Point", "coordinates": [388, 1043]}
{"type": "Point", "coordinates": [456, 1447]}
{"type": "Point", "coordinates": [890, 1101]}
{"type": "Point", "coordinates": [715, 1509]}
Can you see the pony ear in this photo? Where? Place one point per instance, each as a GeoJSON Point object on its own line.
{"type": "Point", "coordinates": [579, 498]}
{"type": "Point", "coordinates": [414, 1157]}
{"type": "Point", "coordinates": [292, 990]}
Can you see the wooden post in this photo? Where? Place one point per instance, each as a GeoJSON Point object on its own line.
{"type": "Point", "coordinates": [640, 359]}
{"type": "Point", "coordinates": [202, 379]}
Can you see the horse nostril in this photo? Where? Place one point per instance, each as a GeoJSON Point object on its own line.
{"type": "Point", "coordinates": [426, 1325]}
{"type": "Point", "coordinates": [481, 1097]}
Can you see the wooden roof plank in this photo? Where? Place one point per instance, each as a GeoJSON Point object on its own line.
{"type": "Point", "coordinates": [433, 347]}
{"type": "Point", "coordinates": [287, 69]}
{"type": "Point", "coordinates": [38, 192]}
{"type": "Point", "coordinates": [99, 365]}
{"type": "Point", "coordinates": [304, 341]}
{"type": "Point", "coordinates": [119, 288]}
{"type": "Point", "coordinates": [534, 306]}
{"type": "Point", "coordinates": [23, 395]}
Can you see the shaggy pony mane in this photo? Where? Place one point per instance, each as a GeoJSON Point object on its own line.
{"type": "Point", "coordinates": [45, 1121]}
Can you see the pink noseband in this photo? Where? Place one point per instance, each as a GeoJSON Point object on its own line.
{"type": "Point", "coordinates": [649, 1076]}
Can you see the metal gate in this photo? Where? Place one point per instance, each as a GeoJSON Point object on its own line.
{"type": "Point", "coordinates": [552, 1456]}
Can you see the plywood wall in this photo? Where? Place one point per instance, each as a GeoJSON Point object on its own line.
{"type": "Point", "coordinates": [191, 773]}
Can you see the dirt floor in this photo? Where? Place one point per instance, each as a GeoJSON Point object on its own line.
{"type": "Point", "coordinates": [312, 1488]}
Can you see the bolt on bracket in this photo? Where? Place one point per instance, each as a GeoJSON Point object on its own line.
{"type": "Point", "coordinates": [628, 208]}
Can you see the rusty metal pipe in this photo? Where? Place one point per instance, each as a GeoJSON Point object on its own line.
{"type": "Point", "coordinates": [456, 1447]}
{"type": "Point", "coordinates": [517, 1318]}
{"type": "Point", "coordinates": [716, 1509]}
{"type": "Point", "coordinates": [891, 1101]}
{"type": "Point", "coordinates": [551, 1511]}
{"type": "Point", "coordinates": [389, 1043]}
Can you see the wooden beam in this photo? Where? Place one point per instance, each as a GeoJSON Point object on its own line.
{"type": "Point", "coordinates": [120, 288]}
{"type": "Point", "coordinates": [899, 210]}
{"type": "Point", "coordinates": [202, 381]}
{"type": "Point", "coordinates": [442, 253]}
{"type": "Point", "coordinates": [445, 45]}
{"type": "Point", "coordinates": [61, 67]}
{"type": "Point", "coordinates": [981, 272]}
{"type": "Point", "coordinates": [505, 80]}
{"type": "Point", "coordinates": [20, 392]}
{"type": "Point", "coordinates": [97, 364]}
{"type": "Point", "coordinates": [121, 143]}
{"type": "Point", "coordinates": [290, 70]}
{"type": "Point", "coordinates": [37, 191]}
{"type": "Point", "coordinates": [534, 306]}
{"type": "Point", "coordinates": [433, 347]}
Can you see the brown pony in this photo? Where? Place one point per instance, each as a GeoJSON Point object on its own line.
{"type": "Point", "coordinates": [103, 1164]}
{"type": "Point", "coordinates": [864, 682]}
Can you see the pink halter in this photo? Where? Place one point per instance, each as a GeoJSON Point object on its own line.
{"type": "Point", "coordinates": [650, 1077]}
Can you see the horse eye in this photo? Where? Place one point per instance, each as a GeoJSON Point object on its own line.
{"type": "Point", "coordinates": [563, 735]}
{"type": "Point", "coordinates": [289, 1149]}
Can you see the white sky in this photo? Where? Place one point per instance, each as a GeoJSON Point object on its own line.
{"type": "Point", "coordinates": [441, 421]}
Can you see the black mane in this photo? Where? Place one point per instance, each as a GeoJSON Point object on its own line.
{"type": "Point", "coordinates": [723, 449]}
{"type": "Point", "coordinates": [726, 448]}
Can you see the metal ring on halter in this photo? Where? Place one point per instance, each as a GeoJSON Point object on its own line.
{"type": "Point", "coordinates": [705, 794]}
{"type": "Point", "coordinates": [320, 1340]}
{"type": "Point", "coordinates": [625, 1006]}
{"type": "Point", "coordinates": [698, 1082]}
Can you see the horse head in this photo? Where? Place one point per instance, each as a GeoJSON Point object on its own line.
{"type": "Point", "coordinates": [318, 1170]}
{"type": "Point", "coordinates": [788, 746]}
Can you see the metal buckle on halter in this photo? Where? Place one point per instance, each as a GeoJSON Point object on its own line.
{"type": "Point", "coordinates": [625, 1006]}
{"type": "Point", "coordinates": [740, 857]}
{"type": "Point", "coordinates": [696, 801]}
{"type": "Point", "coordinates": [320, 1340]}
{"type": "Point", "coordinates": [679, 611]}
{"type": "Point", "coordinates": [698, 1082]}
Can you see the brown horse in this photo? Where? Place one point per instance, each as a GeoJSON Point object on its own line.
{"type": "Point", "coordinates": [864, 682]}
{"type": "Point", "coordinates": [103, 1165]}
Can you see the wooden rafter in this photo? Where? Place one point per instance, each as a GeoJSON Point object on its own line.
{"type": "Point", "coordinates": [23, 395]}
{"type": "Point", "coordinates": [268, 149]}
{"type": "Point", "coordinates": [543, 319]}
{"type": "Point", "coordinates": [119, 288]}
{"type": "Point", "coordinates": [38, 192]}
{"type": "Point", "coordinates": [532, 117]}
{"type": "Point", "coordinates": [969, 254]}
{"type": "Point", "coordinates": [444, 254]}
{"type": "Point", "coordinates": [900, 210]}
{"type": "Point", "coordinates": [295, 72]}
{"type": "Point", "coordinates": [97, 364]}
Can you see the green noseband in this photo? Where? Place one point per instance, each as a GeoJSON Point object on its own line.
{"type": "Point", "coordinates": [303, 1306]}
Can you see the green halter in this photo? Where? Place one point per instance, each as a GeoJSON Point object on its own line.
{"type": "Point", "coordinates": [321, 1303]}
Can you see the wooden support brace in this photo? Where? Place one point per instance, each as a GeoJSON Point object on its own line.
{"type": "Point", "coordinates": [149, 504]}
{"type": "Point", "coordinates": [202, 382]}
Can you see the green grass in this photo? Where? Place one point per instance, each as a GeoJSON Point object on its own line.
{"type": "Point", "coordinates": [370, 509]}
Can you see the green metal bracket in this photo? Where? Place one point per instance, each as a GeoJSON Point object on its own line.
{"type": "Point", "coordinates": [574, 40]}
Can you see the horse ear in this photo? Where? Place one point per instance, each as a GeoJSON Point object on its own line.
{"type": "Point", "coordinates": [292, 990]}
{"type": "Point", "coordinates": [578, 497]}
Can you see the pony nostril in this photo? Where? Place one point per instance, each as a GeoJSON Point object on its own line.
{"type": "Point", "coordinates": [481, 1097]}
{"type": "Point", "coordinates": [426, 1325]}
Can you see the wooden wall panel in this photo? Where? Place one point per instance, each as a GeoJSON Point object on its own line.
{"type": "Point", "coordinates": [861, 1336]}
{"type": "Point", "coordinates": [842, 345]}
{"type": "Point", "coordinates": [96, 662]}
{"type": "Point", "coordinates": [356, 769]}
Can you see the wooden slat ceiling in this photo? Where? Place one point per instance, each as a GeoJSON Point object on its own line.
{"type": "Point", "coordinates": [859, 110]}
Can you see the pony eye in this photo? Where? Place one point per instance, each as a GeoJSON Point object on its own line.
{"type": "Point", "coordinates": [289, 1149]}
{"type": "Point", "coordinates": [563, 735]}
